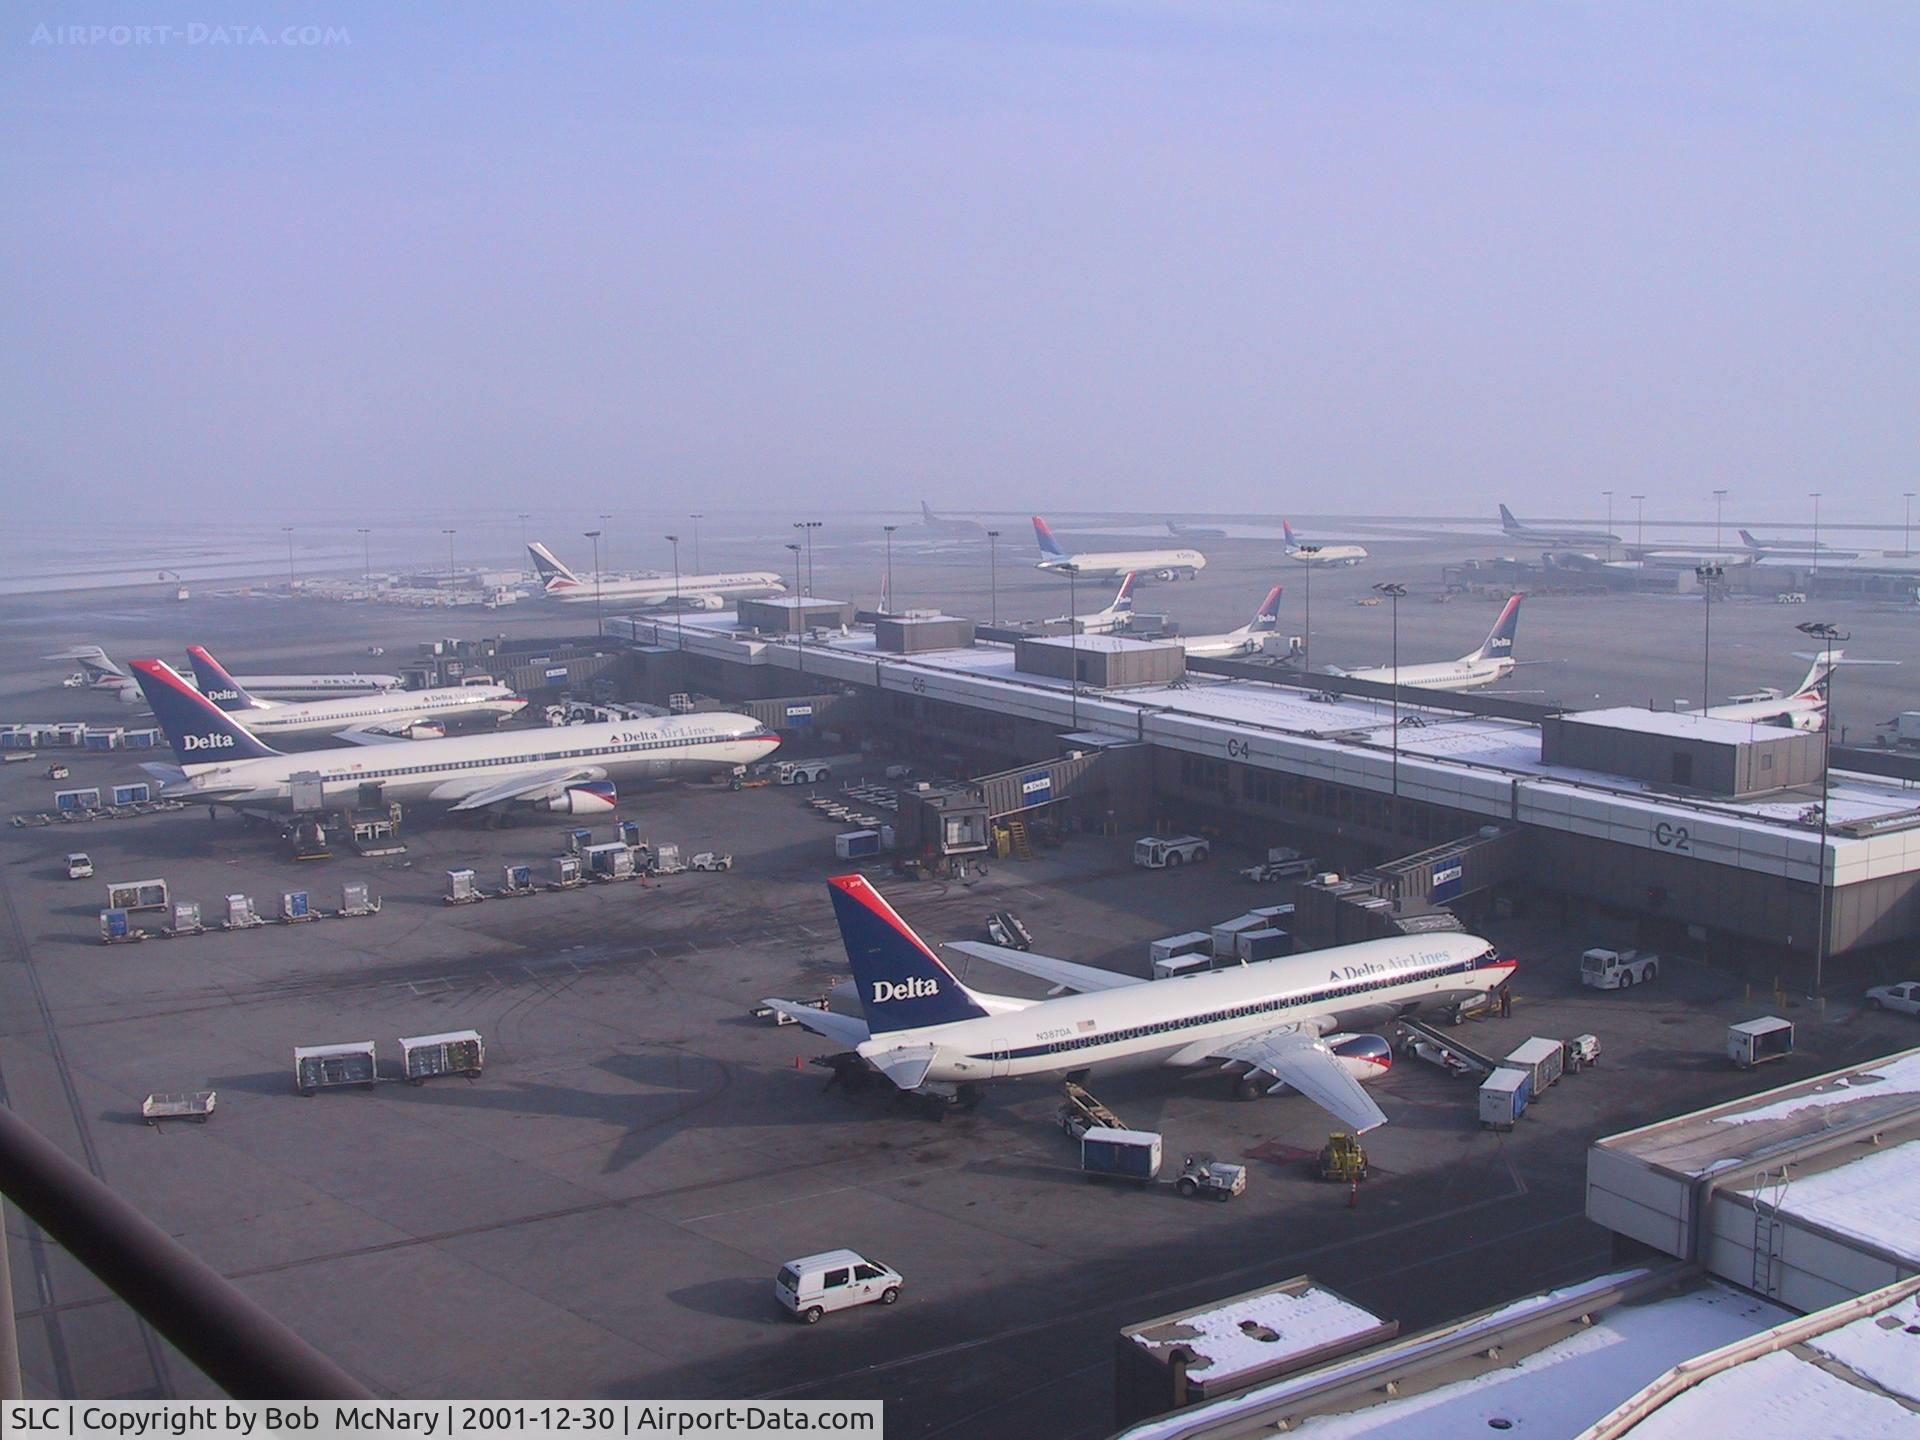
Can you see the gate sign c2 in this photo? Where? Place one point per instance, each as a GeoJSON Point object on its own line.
{"type": "Point", "coordinates": [557, 672]}
{"type": "Point", "coordinates": [1036, 789]}
{"type": "Point", "coordinates": [1446, 881]}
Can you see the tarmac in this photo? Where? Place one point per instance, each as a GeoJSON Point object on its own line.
{"type": "Point", "coordinates": [601, 1213]}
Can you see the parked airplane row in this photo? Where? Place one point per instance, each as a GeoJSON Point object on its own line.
{"type": "Point", "coordinates": [685, 592]}
{"type": "Point", "coordinates": [97, 672]}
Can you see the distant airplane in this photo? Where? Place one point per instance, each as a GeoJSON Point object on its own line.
{"type": "Point", "coordinates": [1814, 549]}
{"type": "Point", "coordinates": [1492, 661]}
{"type": "Point", "coordinates": [102, 674]}
{"type": "Point", "coordinates": [1310, 554]}
{"type": "Point", "coordinates": [361, 719]}
{"type": "Point", "coordinates": [1111, 565]}
{"type": "Point", "coordinates": [1803, 709]}
{"type": "Point", "coordinates": [1541, 535]}
{"type": "Point", "coordinates": [1243, 641]}
{"type": "Point", "coordinates": [1195, 532]}
{"type": "Point", "coordinates": [953, 529]}
{"type": "Point", "coordinates": [1273, 1023]}
{"type": "Point", "coordinates": [1115, 616]}
{"type": "Point", "coordinates": [570, 769]}
{"type": "Point", "coordinates": [650, 592]}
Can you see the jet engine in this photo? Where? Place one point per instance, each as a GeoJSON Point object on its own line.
{"type": "Point", "coordinates": [1366, 1057]}
{"type": "Point", "coordinates": [595, 797]}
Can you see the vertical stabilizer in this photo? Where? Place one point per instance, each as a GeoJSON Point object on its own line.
{"type": "Point", "coordinates": [903, 985]}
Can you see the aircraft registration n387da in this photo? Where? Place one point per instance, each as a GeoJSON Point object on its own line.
{"type": "Point", "coordinates": [1275, 1022]}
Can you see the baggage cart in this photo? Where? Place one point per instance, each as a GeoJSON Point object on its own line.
{"type": "Point", "coordinates": [240, 913]}
{"type": "Point", "coordinates": [1108, 1154]}
{"type": "Point", "coordinates": [354, 900]}
{"type": "Point", "coordinates": [1754, 1042]}
{"type": "Point", "coordinates": [116, 928]}
{"type": "Point", "coordinates": [186, 919]}
{"type": "Point", "coordinates": [323, 1067]}
{"type": "Point", "coordinates": [1503, 1097]}
{"type": "Point", "coordinates": [194, 1105]}
{"type": "Point", "coordinates": [461, 890]}
{"type": "Point", "coordinates": [458, 1052]}
{"type": "Point", "coordinates": [566, 873]}
{"type": "Point", "coordinates": [137, 895]}
{"type": "Point", "coordinates": [296, 908]}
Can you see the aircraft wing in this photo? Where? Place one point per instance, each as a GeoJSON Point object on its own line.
{"type": "Point", "coordinates": [1297, 1057]}
{"type": "Point", "coordinates": [541, 785]}
{"type": "Point", "coordinates": [1063, 974]}
{"type": "Point", "coordinates": [369, 737]}
{"type": "Point", "coordinates": [841, 1029]}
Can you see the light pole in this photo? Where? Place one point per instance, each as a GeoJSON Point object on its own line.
{"type": "Point", "coordinates": [1710, 576]}
{"type": "Point", "coordinates": [1906, 526]}
{"type": "Point", "coordinates": [1719, 499]}
{"type": "Point", "coordinates": [1073, 642]}
{"type": "Point", "coordinates": [993, 577]}
{"type": "Point", "coordinates": [888, 607]}
{"type": "Point", "coordinates": [679, 616]}
{"type": "Point", "coordinates": [598, 626]}
{"type": "Point", "coordinates": [366, 553]}
{"type": "Point", "coordinates": [523, 517]}
{"type": "Point", "coordinates": [287, 530]}
{"type": "Point", "coordinates": [807, 527]}
{"type": "Point", "coordinates": [800, 630]}
{"type": "Point", "coordinates": [1394, 592]}
{"type": "Point", "coordinates": [603, 525]}
{"type": "Point", "coordinates": [1609, 495]}
{"type": "Point", "coordinates": [449, 534]}
{"type": "Point", "coordinates": [1307, 552]}
{"type": "Point", "coordinates": [1828, 633]}
{"type": "Point", "coordinates": [696, 540]}
{"type": "Point", "coordinates": [1814, 495]}
{"type": "Point", "coordinates": [1639, 522]}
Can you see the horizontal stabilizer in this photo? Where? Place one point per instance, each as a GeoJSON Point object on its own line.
{"type": "Point", "coordinates": [845, 1030]}
{"type": "Point", "coordinates": [905, 1065]}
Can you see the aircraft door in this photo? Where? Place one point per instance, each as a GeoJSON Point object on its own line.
{"type": "Point", "coordinates": [1002, 1060]}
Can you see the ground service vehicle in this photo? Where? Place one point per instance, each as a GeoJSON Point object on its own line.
{"type": "Point", "coordinates": [800, 772]}
{"type": "Point", "coordinates": [1154, 852]}
{"type": "Point", "coordinates": [712, 860]}
{"type": "Point", "coordinates": [1204, 1175]}
{"type": "Point", "coordinates": [1341, 1158]}
{"type": "Point", "coordinates": [1120, 1154]}
{"type": "Point", "coordinates": [1583, 1053]}
{"type": "Point", "coordinates": [834, 1280]}
{"type": "Point", "coordinates": [79, 866]}
{"type": "Point", "coordinates": [1603, 969]}
{"type": "Point", "coordinates": [1282, 863]}
{"type": "Point", "coordinates": [1904, 997]}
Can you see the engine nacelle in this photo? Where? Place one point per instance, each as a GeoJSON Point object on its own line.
{"type": "Point", "coordinates": [702, 601]}
{"type": "Point", "coordinates": [1366, 1057]}
{"type": "Point", "coordinates": [594, 797]}
{"type": "Point", "coordinates": [426, 730]}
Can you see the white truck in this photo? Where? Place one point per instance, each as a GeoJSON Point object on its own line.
{"type": "Point", "coordinates": [1603, 969]}
{"type": "Point", "coordinates": [1158, 852]}
{"type": "Point", "coordinates": [802, 772]}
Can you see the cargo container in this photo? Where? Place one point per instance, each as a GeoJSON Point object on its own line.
{"type": "Point", "coordinates": [88, 799]}
{"type": "Point", "coordinates": [354, 900]}
{"type": "Point", "coordinates": [137, 895]}
{"type": "Point", "coordinates": [1541, 1059]}
{"type": "Point", "coordinates": [1226, 935]}
{"type": "Point", "coordinates": [1193, 942]}
{"type": "Point", "coordinates": [578, 840]}
{"type": "Point", "coordinates": [1267, 944]}
{"type": "Point", "coordinates": [1175, 966]}
{"type": "Point", "coordinates": [240, 913]}
{"type": "Point", "coordinates": [611, 861]}
{"type": "Point", "coordinates": [1754, 1042]}
{"type": "Point", "coordinates": [461, 889]}
{"type": "Point", "coordinates": [629, 833]}
{"type": "Point", "coordinates": [115, 925]}
{"type": "Point", "coordinates": [515, 879]}
{"type": "Point", "coordinates": [319, 1067]}
{"type": "Point", "coordinates": [186, 918]}
{"type": "Point", "coordinates": [1503, 1097]}
{"type": "Point", "coordinates": [458, 1052]}
{"type": "Point", "coordinates": [136, 794]}
{"type": "Point", "coordinates": [142, 739]}
{"type": "Point", "coordinates": [856, 844]}
{"type": "Point", "coordinates": [295, 906]}
{"type": "Point", "coordinates": [1121, 1154]}
{"type": "Point", "coordinates": [566, 872]}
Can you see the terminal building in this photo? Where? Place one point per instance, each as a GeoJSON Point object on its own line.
{"type": "Point", "coordinates": [1696, 836]}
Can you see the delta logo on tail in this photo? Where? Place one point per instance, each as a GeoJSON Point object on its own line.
{"type": "Point", "coordinates": [201, 734]}
{"type": "Point", "coordinates": [553, 573]}
{"type": "Point", "coordinates": [1268, 615]}
{"type": "Point", "coordinates": [902, 984]}
{"type": "Point", "coordinates": [1499, 642]}
{"type": "Point", "coordinates": [217, 684]}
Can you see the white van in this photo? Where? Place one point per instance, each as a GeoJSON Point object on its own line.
{"type": "Point", "coordinates": [79, 866]}
{"type": "Point", "coordinates": [834, 1280]}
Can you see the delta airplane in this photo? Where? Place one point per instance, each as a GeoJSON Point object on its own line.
{"type": "Point", "coordinates": [364, 719]}
{"type": "Point", "coordinates": [1538, 535]}
{"type": "Point", "coordinates": [1244, 641]}
{"type": "Point", "coordinates": [1492, 661]}
{"type": "Point", "coordinates": [1111, 565]}
{"type": "Point", "coordinates": [102, 674]}
{"type": "Point", "coordinates": [953, 529]}
{"type": "Point", "coordinates": [690, 592]}
{"type": "Point", "coordinates": [1815, 549]}
{"type": "Point", "coordinates": [570, 769]}
{"type": "Point", "coordinates": [1274, 1023]}
{"type": "Point", "coordinates": [1803, 709]}
{"type": "Point", "coordinates": [1320, 554]}
{"type": "Point", "coordinates": [1118, 613]}
{"type": "Point", "coordinates": [1194, 532]}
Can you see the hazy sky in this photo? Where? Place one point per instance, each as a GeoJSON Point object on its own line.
{"type": "Point", "coordinates": [1221, 257]}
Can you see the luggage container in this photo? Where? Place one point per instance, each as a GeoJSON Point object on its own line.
{"type": "Point", "coordinates": [578, 839]}
{"type": "Point", "coordinates": [137, 895]}
{"type": "Point", "coordinates": [516, 879]}
{"type": "Point", "coordinates": [240, 913]}
{"type": "Point", "coordinates": [611, 861]}
{"type": "Point", "coordinates": [142, 739]}
{"type": "Point", "coordinates": [117, 926]}
{"type": "Point", "coordinates": [1503, 1097]}
{"type": "Point", "coordinates": [566, 873]}
{"type": "Point", "coordinates": [1268, 944]}
{"type": "Point", "coordinates": [107, 739]}
{"type": "Point", "coordinates": [461, 890]}
{"type": "Point", "coordinates": [1192, 942]}
{"type": "Point", "coordinates": [458, 1052]}
{"type": "Point", "coordinates": [628, 832]}
{"type": "Point", "coordinates": [1106, 1153]}
{"type": "Point", "coordinates": [296, 907]}
{"type": "Point", "coordinates": [354, 900]}
{"type": "Point", "coordinates": [1540, 1058]}
{"type": "Point", "coordinates": [321, 1067]}
{"type": "Point", "coordinates": [69, 800]}
{"type": "Point", "coordinates": [1174, 966]}
{"type": "Point", "coordinates": [137, 794]}
{"type": "Point", "coordinates": [186, 918]}
{"type": "Point", "coordinates": [856, 844]}
{"type": "Point", "coordinates": [1226, 935]}
{"type": "Point", "coordinates": [1754, 1042]}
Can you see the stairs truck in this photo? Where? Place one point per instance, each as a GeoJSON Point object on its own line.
{"type": "Point", "coordinates": [1602, 969]}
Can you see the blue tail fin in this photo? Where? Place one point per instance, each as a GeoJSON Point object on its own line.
{"type": "Point", "coordinates": [200, 734]}
{"type": "Point", "coordinates": [1267, 617]}
{"type": "Point", "coordinates": [903, 985]}
{"type": "Point", "coordinates": [1049, 547]}
{"type": "Point", "coordinates": [1286, 528]}
{"type": "Point", "coordinates": [216, 684]}
{"type": "Point", "coordinates": [1499, 642]}
{"type": "Point", "coordinates": [1124, 599]}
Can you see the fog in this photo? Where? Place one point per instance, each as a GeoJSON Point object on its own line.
{"type": "Point", "coordinates": [1222, 258]}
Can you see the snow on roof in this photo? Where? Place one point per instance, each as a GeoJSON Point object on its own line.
{"type": "Point", "coordinates": [1252, 1331]}
{"type": "Point", "coordinates": [1679, 725]}
{"type": "Point", "coordinates": [1777, 1397]}
{"type": "Point", "coordinates": [1898, 1075]}
{"type": "Point", "coordinates": [1885, 1348]}
{"type": "Point", "coordinates": [1112, 644]}
{"type": "Point", "coordinates": [1874, 1197]}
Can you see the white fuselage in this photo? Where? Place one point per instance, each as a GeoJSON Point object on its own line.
{"type": "Point", "coordinates": [1329, 555]}
{"type": "Point", "coordinates": [654, 590]}
{"type": "Point", "coordinates": [447, 771]}
{"type": "Point", "coordinates": [1527, 535]}
{"type": "Point", "coordinates": [1186, 1021]}
{"type": "Point", "coordinates": [1220, 647]}
{"type": "Point", "coordinates": [314, 687]}
{"type": "Point", "coordinates": [1111, 565]}
{"type": "Point", "coordinates": [389, 709]}
{"type": "Point", "coordinates": [1800, 712]}
{"type": "Point", "coordinates": [1468, 674]}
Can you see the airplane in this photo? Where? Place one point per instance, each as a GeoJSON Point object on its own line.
{"type": "Point", "coordinates": [363, 719]}
{"type": "Point", "coordinates": [1111, 565]}
{"type": "Point", "coordinates": [1667, 558]}
{"type": "Point", "coordinates": [1103, 622]}
{"type": "Point", "coordinates": [1273, 1022]}
{"type": "Point", "coordinates": [103, 674]}
{"type": "Point", "coordinates": [690, 592]}
{"type": "Point", "coordinates": [1812, 549]}
{"type": "Point", "coordinates": [1195, 532]}
{"type": "Point", "coordinates": [1537, 535]}
{"type": "Point", "coordinates": [954, 529]}
{"type": "Point", "coordinates": [1244, 641]}
{"type": "Point", "coordinates": [1492, 661]}
{"type": "Point", "coordinates": [1324, 554]}
{"type": "Point", "coordinates": [567, 769]}
{"type": "Point", "coordinates": [1803, 709]}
